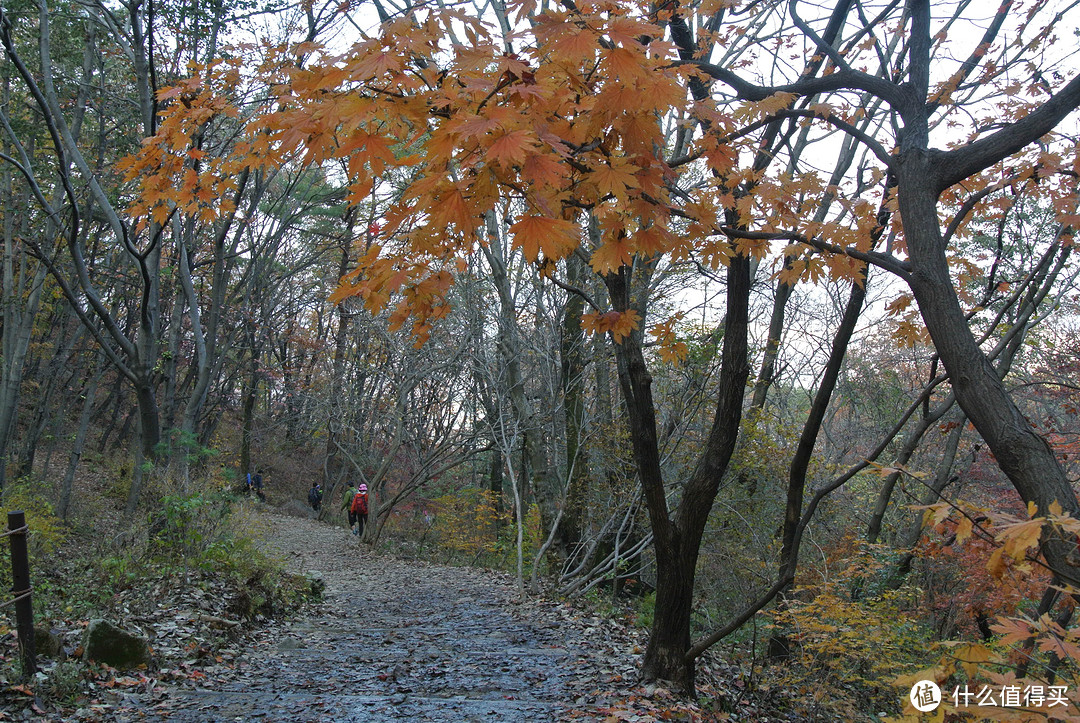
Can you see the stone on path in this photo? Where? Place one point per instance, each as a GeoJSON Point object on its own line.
{"type": "Point", "coordinates": [114, 646]}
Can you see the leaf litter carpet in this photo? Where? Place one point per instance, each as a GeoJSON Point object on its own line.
{"type": "Point", "coordinates": [400, 640]}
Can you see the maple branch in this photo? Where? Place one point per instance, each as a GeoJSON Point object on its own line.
{"type": "Point", "coordinates": [733, 136]}
{"type": "Point", "coordinates": [969, 205]}
{"type": "Point", "coordinates": [841, 80]}
{"type": "Point", "coordinates": [572, 6]}
{"type": "Point", "coordinates": [575, 290]}
{"type": "Point", "coordinates": [1021, 288]}
{"type": "Point", "coordinates": [1047, 383]}
{"type": "Point", "coordinates": [1039, 558]}
{"type": "Point", "coordinates": [824, 47]}
{"type": "Point", "coordinates": [956, 165]}
{"type": "Point", "coordinates": [884, 261]}
{"type": "Point", "coordinates": [503, 83]}
{"type": "Point", "coordinates": [976, 522]}
{"type": "Point", "coordinates": [968, 66]}
{"type": "Point", "coordinates": [876, 148]}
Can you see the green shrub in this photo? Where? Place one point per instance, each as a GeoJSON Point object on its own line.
{"type": "Point", "coordinates": [46, 529]}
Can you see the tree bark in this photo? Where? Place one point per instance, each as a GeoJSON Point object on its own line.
{"type": "Point", "coordinates": [677, 540]}
{"type": "Point", "coordinates": [572, 350]}
{"type": "Point", "coordinates": [1025, 457]}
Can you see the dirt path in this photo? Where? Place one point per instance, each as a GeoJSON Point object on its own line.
{"type": "Point", "coordinates": [398, 640]}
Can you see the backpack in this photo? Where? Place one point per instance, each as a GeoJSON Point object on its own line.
{"type": "Point", "coordinates": [359, 504]}
{"type": "Point", "coordinates": [313, 496]}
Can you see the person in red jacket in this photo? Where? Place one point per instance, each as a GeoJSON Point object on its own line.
{"type": "Point", "coordinates": [359, 509]}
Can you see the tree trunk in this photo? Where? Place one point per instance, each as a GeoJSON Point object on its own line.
{"type": "Point", "coordinates": [332, 464]}
{"type": "Point", "coordinates": [677, 541]}
{"type": "Point", "coordinates": [247, 424]}
{"type": "Point", "coordinates": [572, 350]}
{"type": "Point", "coordinates": [772, 345]}
{"type": "Point", "coordinates": [1025, 457]}
{"type": "Point", "coordinates": [800, 461]}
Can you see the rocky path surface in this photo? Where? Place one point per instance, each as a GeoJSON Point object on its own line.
{"type": "Point", "coordinates": [398, 640]}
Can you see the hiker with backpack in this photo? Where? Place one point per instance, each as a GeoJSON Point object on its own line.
{"type": "Point", "coordinates": [346, 504]}
{"type": "Point", "coordinates": [314, 496]}
{"type": "Point", "coordinates": [358, 509]}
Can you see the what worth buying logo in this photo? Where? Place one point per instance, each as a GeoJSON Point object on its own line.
{"type": "Point", "coordinates": [925, 696]}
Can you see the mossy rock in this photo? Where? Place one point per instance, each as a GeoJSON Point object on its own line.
{"type": "Point", "coordinates": [47, 644]}
{"type": "Point", "coordinates": [114, 646]}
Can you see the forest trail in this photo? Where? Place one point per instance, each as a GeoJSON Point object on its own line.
{"type": "Point", "coordinates": [397, 640]}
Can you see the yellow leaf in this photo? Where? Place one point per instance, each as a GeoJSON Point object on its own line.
{"type": "Point", "coordinates": [996, 565]}
{"type": "Point", "coordinates": [970, 655]}
{"type": "Point", "coordinates": [1020, 537]}
{"type": "Point", "coordinates": [619, 324]}
{"type": "Point", "coordinates": [963, 528]}
{"type": "Point", "coordinates": [776, 102]}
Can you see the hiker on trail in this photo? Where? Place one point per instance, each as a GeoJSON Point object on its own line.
{"type": "Point", "coordinates": [257, 485]}
{"type": "Point", "coordinates": [346, 504]}
{"type": "Point", "coordinates": [359, 509]}
{"type": "Point", "coordinates": [314, 496]}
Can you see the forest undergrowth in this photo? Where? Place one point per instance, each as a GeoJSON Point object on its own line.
{"type": "Point", "coordinates": [194, 576]}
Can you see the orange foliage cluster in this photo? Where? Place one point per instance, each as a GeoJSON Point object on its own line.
{"type": "Point", "coordinates": [572, 125]}
{"type": "Point", "coordinates": [172, 170]}
{"type": "Point", "coordinates": [1033, 645]}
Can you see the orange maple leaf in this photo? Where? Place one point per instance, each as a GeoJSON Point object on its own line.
{"type": "Point", "coordinates": [613, 180]}
{"type": "Point", "coordinates": [554, 237]}
{"type": "Point", "coordinates": [611, 255]}
{"type": "Point", "coordinates": [623, 63]}
{"type": "Point", "coordinates": [570, 41]}
{"type": "Point", "coordinates": [511, 148]}
{"type": "Point", "coordinates": [619, 324]}
{"type": "Point", "coordinates": [543, 170]}
{"type": "Point", "coordinates": [653, 240]}
{"type": "Point", "coordinates": [1013, 631]}
{"type": "Point", "coordinates": [453, 208]}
